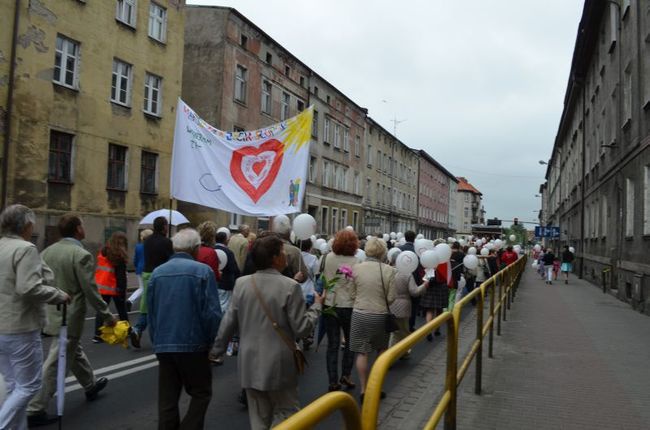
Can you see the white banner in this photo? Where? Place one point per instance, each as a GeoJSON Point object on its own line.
{"type": "Point", "coordinates": [259, 173]}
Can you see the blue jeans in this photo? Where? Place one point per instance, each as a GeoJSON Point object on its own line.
{"type": "Point", "coordinates": [21, 361]}
{"type": "Point", "coordinates": [141, 325]}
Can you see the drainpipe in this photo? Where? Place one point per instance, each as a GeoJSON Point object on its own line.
{"type": "Point", "coordinates": [584, 176]}
{"type": "Point", "coordinates": [10, 105]}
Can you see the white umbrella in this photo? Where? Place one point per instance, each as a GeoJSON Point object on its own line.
{"type": "Point", "coordinates": [177, 218]}
{"type": "Point", "coordinates": [61, 369]}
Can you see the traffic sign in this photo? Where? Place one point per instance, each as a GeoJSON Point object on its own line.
{"type": "Point", "coordinates": [548, 231]}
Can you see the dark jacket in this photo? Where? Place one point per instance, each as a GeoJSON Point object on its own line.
{"type": "Point", "coordinates": [548, 258]}
{"type": "Point", "coordinates": [230, 273]}
{"type": "Point", "coordinates": [567, 256]}
{"type": "Point", "coordinates": [157, 250]}
{"type": "Point", "coordinates": [183, 306]}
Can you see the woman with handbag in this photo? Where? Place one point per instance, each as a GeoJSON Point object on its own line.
{"type": "Point", "coordinates": [373, 291]}
{"type": "Point", "coordinates": [337, 264]}
{"type": "Point", "coordinates": [268, 310]}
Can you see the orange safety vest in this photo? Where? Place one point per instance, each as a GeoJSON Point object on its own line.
{"type": "Point", "coordinates": [105, 276]}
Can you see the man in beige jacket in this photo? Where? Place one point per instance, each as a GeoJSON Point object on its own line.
{"type": "Point", "coordinates": [23, 295]}
{"type": "Point", "coordinates": [239, 245]}
{"type": "Point", "coordinates": [74, 272]}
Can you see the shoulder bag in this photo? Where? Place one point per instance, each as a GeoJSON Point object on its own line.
{"type": "Point", "coordinates": [299, 358]}
{"type": "Point", "coordinates": [391, 319]}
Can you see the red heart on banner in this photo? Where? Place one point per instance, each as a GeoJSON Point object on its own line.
{"type": "Point", "coordinates": [248, 163]}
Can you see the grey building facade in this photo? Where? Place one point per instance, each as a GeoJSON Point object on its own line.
{"type": "Point", "coordinates": [597, 186]}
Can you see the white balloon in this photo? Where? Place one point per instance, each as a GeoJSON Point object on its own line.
{"type": "Point", "coordinates": [393, 235]}
{"type": "Point", "coordinates": [313, 238]}
{"type": "Point", "coordinates": [360, 255]}
{"type": "Point", "coordinates": [471, 251]}
{"type": "Point", "coordinates": [319, 243]}
{"type": "Point", "coordinates": [538, 247]}
{"type": "Point", "coordinates": [419, 236]}
{"type": "Point", "coordinates": [401, 242]}
{"type": "Point", "coordinates": [498, 243]}
{"type": "Point", "coordinates": [407, 262]}
{"type": "Point", "coordinates": [324, 248]}
{"type": "Point", "coordinates": [470, 262]}
{"type": "Point", "coordinates": [223, 258]}
{"type": "Point", "coordinates": [462, 242]}
{"type": "Point", "coordinates": [330, 243]}
{"type": "Point", "coordinates": [368, 237]}
{"type": "Point", "coordinates": [392, 253]}
{"type": "Point", "coordinates": [281, 224]}
{"type": "Point", "coordinates": [292, 236]}
{"type": "Point", "coordinates": [572, 250]}
{"type": "Point", "coordinates": [224, 230]}
{"type": "Point", "coordinates": [444, 252]}
{"type": "Point", "coordinates": [304, 225]}
{"type": "Point", "coordinates": [349, 228]}
{"type": "Point", "coordinates": [485, 251]}
{"type": "Point", "coordinates": [429, 259]}
{"type": "Point", "coordinates": [489, 246]}
{"type": "Point", "coordinates": [386, 237]}
{"type": "Point", "coordinates": [420, 246]}
{"type": "Point", "coordinates": [517, 249]}
{"type": "Point", "coordinates": [478, 242]}
{"type": "Point", "coordinates": [513, 238]}
{"type": "Point", "coordinates": [451, 239]}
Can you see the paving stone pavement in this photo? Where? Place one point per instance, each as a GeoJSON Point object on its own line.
{"type": "Point", "coordinates": [570, 357]}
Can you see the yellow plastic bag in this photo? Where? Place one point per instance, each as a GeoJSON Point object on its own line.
{"type": "Point", "coordinates": [119, 334]}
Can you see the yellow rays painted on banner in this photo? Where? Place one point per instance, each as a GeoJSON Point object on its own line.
{"type": "Point", "coordinates": [298, 130]}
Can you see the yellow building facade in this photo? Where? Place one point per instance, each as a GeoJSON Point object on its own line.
{"type": "Point", "coordinates": [90, 108]}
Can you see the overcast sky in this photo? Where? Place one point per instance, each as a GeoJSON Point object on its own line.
{"type": "Point", "coordinates": [478, 84]}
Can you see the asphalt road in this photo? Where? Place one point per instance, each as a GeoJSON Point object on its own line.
{"type": "Point", "coordinates": [130, 399]}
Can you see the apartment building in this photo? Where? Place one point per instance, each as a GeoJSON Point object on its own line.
{"type": "Point", "coordinates": [469, 207]}
{"type": "Point", "coordinates": [434, 185]}
{"type": "Point", "coordinates": [88, 111]}
{"type": "Point", "coordinates": [597, 186]}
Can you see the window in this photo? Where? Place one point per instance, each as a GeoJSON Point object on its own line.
{"type": "Point", "coordinates": [326, 133]}
{"type": "Point", "coordinates": [316, 91]}
{"type": "Point", "coordinates": [149, 173]}
{"type": "Point", "coordinates": [235, 221]}
{"type": "Point", "coordinates": [302, 81]}
{"type": "Point", "coordinates": [284, 108]}
{"type": "Point", "coordinates": [326, 173]}
{"type": "Point", "coordinates": [324, 219]}
{"type": "Point", "coordinates": [152, 94]}
{"type": "Point", "coordinates": [243, 41]}
{"type": "Point", "coordinates": [241, 76]}
{"type": "Point", "coordinates": [629, 208]}
{"type": "Point", "coordinates": [157, 22]}
{"type": "Point", "coordinates": [335, 220]}
{"type": "Point", "coordinates": [266, 96]}
{"type": "Point", "coordinates": [355, 221]}
{"type": "Point", "coordinates": [357, 146]}
{"type": "Point", "coordinates": [121, 83]}
{"type": "Point", "coordinates": [603, 214]}
{"type": "Point", "coordinates": [269, 58]}
{"type": "Point", "coordinates": [380, 199]}
{"type": "Point", "coordinates": [287, 71]}
{"type": "Point", "coordinates": [627, 95]}
{"type": "Point", "coordinates": [368, 188]}
{"type": "Point", "coordinates": [357, 183]}
{"type": "Point", "coordinates": [379, 159]}
{"type": "Point", "coordinates": [116, 179]}
{"type": "Point", "coordinates": [126, 11]}
{"type": "Point", "coordinates": [60, 160]}
{"type": "Point", "coordinates": [337, 136]}
{"type": "Point", "coordinates": [300, 105]}
{"type": "Point", "coordinates": [646, 200]}
{"type": "Point", "coordinates": [346, 140]}
{"type": "Point", "coordinates": [66, 62]}
{"type": "Point", "coordinates": [369, 154]}
{"type": "Point", "coordinates": [314, 124]}
{"type": "Point", "coordinates": [344, 217]}
{"type": "Point", "coordinates": [313, 165]}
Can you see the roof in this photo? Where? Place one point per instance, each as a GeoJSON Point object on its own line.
{"type": "Point", "coordinates": [431, 160]}
{"type": "Point", "coordinates": [464, 185]}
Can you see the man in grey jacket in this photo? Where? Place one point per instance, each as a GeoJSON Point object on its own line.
{"type": "Point", "coordinates": [74, 273]}
{"type": "Point", "coordinates": [23, 295]}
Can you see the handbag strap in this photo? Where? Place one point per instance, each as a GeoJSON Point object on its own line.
{"type": "Point", "coordinates": [383, 287]}
{"type": "Point", "coordinates": [276, 327]}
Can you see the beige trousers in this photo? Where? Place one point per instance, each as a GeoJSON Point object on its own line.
{"type": "Point", "coordinates": [76, 362]}
{"type": "Point", "coordinates": [266, 408]}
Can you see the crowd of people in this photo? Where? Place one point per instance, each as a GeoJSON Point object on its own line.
{"type": "Point", "coordinates": [549, 266]}
{"type": "Point", "coordinates": [207, 293]}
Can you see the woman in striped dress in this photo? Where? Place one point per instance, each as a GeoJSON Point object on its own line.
{"type": "Point", "coordinates": [373, 290]}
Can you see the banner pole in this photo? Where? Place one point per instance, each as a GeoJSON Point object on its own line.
{"type": "Point", "coordinates": [169, 227]}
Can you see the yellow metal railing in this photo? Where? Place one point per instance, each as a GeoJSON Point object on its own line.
{"type": "Point", "coordinates": [505, 281]}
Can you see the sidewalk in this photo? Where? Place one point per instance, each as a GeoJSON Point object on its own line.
{"type": "Point", "coordinates": [570, 357]}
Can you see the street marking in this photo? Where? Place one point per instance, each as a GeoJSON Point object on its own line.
{"type": "Point", "coordinates": [116, 366]}
{"type": "Point", "coordinates": [117, 375]}
{"type": "Point", "coordinates": [129, 313]}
